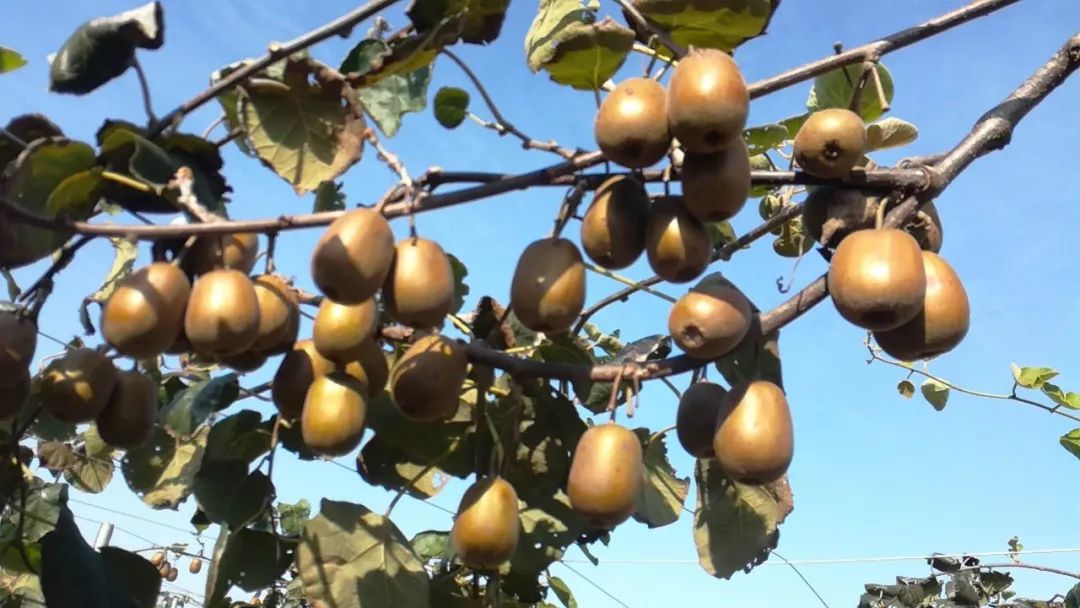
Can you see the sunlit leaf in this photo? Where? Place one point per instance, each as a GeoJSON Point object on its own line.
{"type": "Point", "coordinates": [10, 60]}
{"type": "Point", "coordinates": [387, 100]}
{"type": "Point", "coordinates": [432, 544]}
{"type": "Point", "coordinates": [163, 470]}
{"type": "Point", "coordinates": [1071, 441]}
{"type": "Point", "coordinates": [717, 24]}
{"type": "Point", "coordinates": [765, 137]}
{"type": "Point", "coordinates": [834, 89]}
{"type": "Point", "coordinates": [404, 54]}
{"type": "Point", "coordinates": [124, 254]}
{"type": "Point", "coordinates": [93, 466]}
{"type": "Point", "coordinates": [293, 516]}
{"type": "Point", "coordinates": [1032, 377]}
{"type": "Point", "coordinates": [1059, 396]}
{"type": "Point", "coordinates": [566, 40]}
{"type": "Point", "coordinates": [562, 591]}
{"type": "Point", "coordinates": [936, 393]}
{"type": "Point", "coordinates": [890, 133]}
{"type": "Point", "coordinates": [664, 492]}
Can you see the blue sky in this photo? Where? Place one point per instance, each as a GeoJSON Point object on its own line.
{"type": "Point", "coordinates": [873, 475]}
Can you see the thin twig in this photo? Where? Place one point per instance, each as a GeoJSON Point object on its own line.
{"type": "Point", "coordinates": [642, 23]}
{"type": "Point", "coordinates": [144, 88]}
{"type": "Point", "coordinates": [220, 120]}
{"type": "Point", "coordinates": [804, 580]}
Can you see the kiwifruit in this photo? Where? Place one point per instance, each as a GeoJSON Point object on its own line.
{"type": "Point", "coordinates": [232, 251]}
{"type": "Point", "coordinates": [613, 229]}
{"type": "Point", "coordinates": [222, 316]}
{"type": "Point", "coordinates": [547, 292]}
{"type": "Point", "coordinates": [486, 529]}
{"type": "Point", "coordinates": [247, 361]}
{"type": "Point", "coordinates": [340, 330]}
{"type": "Point", "coordinates": [76, 387]}
{"type": "Point", "coordinates": [695, 420]}
{"type": "Point", "coordinates": [352, 258]}
{"type": "Point", "coordinates": [830, 142]}
{"type": "Point", "coordinates": [14, 391]}
{"type": "Point", "coordinates": [754, 442]}
{"type": "Point", "coordinates": [370, 367]}
{"type": "Point", "coordinates": [876, 278]}
{"type": "Point", "coordinates": [711, 319]}
{"type": "Point", "coordinates": [631, 126]}
{"type": "Point", "coordinates": [715, 186]}
{"type": "Point", "coordinates": [143, 316]}
{"type": "Point", "coordinates": [332, 422]}
{"type": "Point", "coordinates": [128, 418]}
{"type": "Point", "coordinates": [18, 342]}
{"type": "Point", "coordinates": [195, 566]}
{"type": "Point", "coordinates": [606, 474]}
{"type": "Point", "coordinates": [425, 382]}
{"type": "Point", "coordinates": [677, 244]}
{"type": "Point", "coordinates": [419, 290]}
{"type": "Point", "coordinates": [172, 574]}
{"type": "Point", "coordinates": [180, 345]}
{"type": "Point", "coordinates": [830, 214]}
{"type": "Point", "coordinates": [941, 324]}
{"type": "Point", "coordinates": [278, 312]}
{"type": "Point", "coordinates": [707, 101]}
{"type": "Point", "coordinates": [298, 369]}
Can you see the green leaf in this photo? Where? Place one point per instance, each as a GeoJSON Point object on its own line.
{"type": "Point", "coordinates": [404, 55]}
{"type": "Point", "coordinates": [247, 558]}
{"type": "Point", "coordinates": [1060, 397]}
{"type": "Point", "coordinates": [1072, 598]}
{"type": "Point", "coordinates": [718, 24]}
{"type": "Point", "coordinates": [936, 393]}
{"type": "Point", "coordinates": [562, 591]}
{"type": "Point", "coordinates": [184, 415]}
{"type": "Point", "coordinates": [794, 123]}
{"type": "Point", "coordinates": [906, 389]}
{"type": "Point", "coordinates": [329, 197]}
{"type": "Point", "coordinates": [242, 436]}
{"type": "Point", "coordinates": [1071, 441]}
{"type": "Point", "coordinates": [834, 89]}
{"type": "Point", "coordinates": [230, 105]}
{"type": "Point", "coordinates": [103, 48]}
{"type": "Point", "coordinates": [548, 527]}
{"type": "Point", "coordinates": [664, 492]}
{"type": "Point", "coordinates": [483, 19]}
{"type": "Point", "coordinates": [10, 60]}
{"type": "Point", "coordinates": [1015, 546]}
{"type": "Point", "coordinates": [43, 504]}
{"type": "Point", "coordinates": [293, 516]}
{"type": "Point", "coordinates": [461, 288]}
{"type": "Point", "coordinates": [93, 466]}
{"type": "Point", "coordinates": [721, 233]}
{"type": "Point", "coordinates": [229, 495]}
{"type": "Point", "coordinates": [349, 556]}
{"type": "Point", "coordinates": [793, 240]}
{"type": "Point", "coordinates": [451, 106]}
{"type": "Point", "coordinates": [124, 255]}
{"type": "Point", "coordinates": [424, 443]}
{"type": "Point", "coordinates": [763, 138]}
{"type": "Point", "coordinates": [28, 128]}
{"type": "Point", "coordinates": [387, 100]}
{"type": "Point", "coordinates": [1032, 377]}
{"type": "Point", "coordinates": [382, 464]}
{"type": "Point", "coordinates": [163, 470]}
{"type": "Point", "coordinates": [890, 133]}
{"type": "Point", "coordinates": [756, 357]}
{"type": "Point", "coordinates": [566, 40]}
{"type": "Point", "coordinates": [432, 544]}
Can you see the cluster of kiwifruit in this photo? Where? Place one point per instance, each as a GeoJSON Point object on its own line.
{"type": "Point", "coordinates": [169, 571]}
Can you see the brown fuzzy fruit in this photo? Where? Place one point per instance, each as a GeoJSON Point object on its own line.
{"type": "Point", "coordinates": [172, 574]}
{"type": "Point", "coordinates": [14, 392]}
{"type": "Point", "coordinates": [143, 316]}
{"type": "Point", "coordinates": [606, 474]}
{"type": "Point", "coordinates": [715, 186]}
{"type": "Point", "coordinates": [695, 420]}
{"type": "Point", "coordinates": [128, 418]}
{"type": "Point", "coordinates": [486, 529]}
{"type": "Point", "coordinates": [332, 422]}
{"type": "Point", "coordinates": [279, 310]}
{"type": "Point", "coordinates": [76, 387]}
{"type": "Point", "coordinates": [247, 361]}
{"type": "Point", "coordinates": [547, 292]}
{"type": "Point", "coordinates": [830, 142]}
{"type": "Point", "coordinates": [370, 368]}
{"type": "Point", "coordinates": [222, 316]}
{"type": "Point", "coordinates": [18, 342]}
{"type": "Point", "coordinates": [631, 127]}
{"type": "Point", "coordinates": [158, 559]}
{"type": "Point", "coordinates": [195, 566]}
{"type": "Point", "coordinates": [677, 244]}
{"type": "Point", "coordinates": [425, 382]}
{"type": "Point", "coordinates": [830, 214]}
{"type": "Point", "coordinates": [352, 258]}
{"type": "Point", "coordinates": [754, 442]}
{"type": "Point", "coordinates": [876, 278]}
{"type": "Point", "coordinates": [707, 101]}
{"type": "Point", "coordinates": [340, 330]}
{"type": "Point", "coordinates": [298, 369]}
{"type": "Point", "coordinates": [419, 290]}
{"type": "Point", "coordinates": [613, 228]}
{"type": "Point", "coordinates": [941, 324]}
{"type": "Point", "coordinates": [232, 251]}
{"type": "Point", "coordinates": [711, 319]}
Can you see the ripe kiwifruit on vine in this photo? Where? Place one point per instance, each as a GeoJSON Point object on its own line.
{"type": "Point", "coordinates": [278, 312]}
{"type": "Point", "coordinates": [352, 258]}
{"type": "Point", "coordinates": [631, 126]}
{"type": "Point", "coordinates": [715, 186]}
{"type": "Point", "coordinates": [707, 102]}
{"type": "Point", "coordinates": [195, 566]}
{"type": "Point", "coordinates": [370, 367]}
{"type": "Point", "coordinates": [606, 474]}
{"type": "Point", "coordinates": [76, 387]}
{"type": "Point", "coordinates": [677, 244]}
{"type": "Point", "coordinates": [340, 330]}
{"type": "Point", "coordinates": [419, 290]}
{"type": "Point", "coordinates": [711, 319]}
{"type": "Point", "coordinates": [941, 324]}
{"type": "Point", "coordinates": [613, 228]}
{"type": "Point", "coordinates": [830, 142]}
{"type": "Point", "coordinates": [486, 529]}
{"type": "Point", "coordinates": [425, 382]}
{"type": "Point", "coordinates": [232, 251]}
{"type": "Point", "coordinates": [172, 574]}
{"type": "Point", "coordinates": [143, 316]}
{"type": "Point", "coordinates": [128, 418]}
{"type": "Point", "coordinates": [14, 391]}
{"type": "Point", "coordinates": [547, 292]}
{"type": "Point", "coordinates": [332, 422]}
{"type": "Point", "coordinates": [830, 214]}
{"type": "Point", "coordinates": [754, 441]}
{"type": "Point", "coordinates": [247, 361]}
{"type": "Point", "coordinates": [222, 316]}
{"type": "Point", "coordinates": [297, 370]}
{"type": "Point", "coordinates": [876, 278]}
{"type": "Point", "coordinates": [18, 342]}
{"type": "Point", "coordinates": [695, 420]}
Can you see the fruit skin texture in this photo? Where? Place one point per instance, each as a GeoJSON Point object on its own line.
{"type": "Point", "coordinates": [76, 387]}
{"type": "Point", "coordinates": [142, 318]}
{"type": "Point", "coordinates": [222, 317]}
{"type": "Point", "coordinates": [352, 258]}
{"type": "Point", "coordinates": [695, 420]}
{"type": "Point", "coordinates": [631, 127]}
{"type": "Point", "coordinates": [232, 251]}
{"type": "Point", "coordinates": [370, 368]}
{"type": "Point", "coordinates": [340, 330]}
{"type": "Point", "coordinates": [754, 441]}
{"type": "Point", "coordinates": [606, 474]}
{"type": "Point", "coordinates": [677, 244]}
{"type": "Point", "coordinates": [830, 142]}
{"type": "Point", "coordinates": [876, 278]}
{"type": "Point", "coordinates": [830, 214]}
{"type": "Point", "coordinates": [195, 566]}
{"type": "Point", "coordinates": [710, 320]}
{"type": "Point", "coordinates": [547, 292]}
{"type": "Point", "coordinates": [332, 423]}
{"type": "Point", "coordinates": [613, 228]}
{"type": "Point", "coordinates": [707, 103]}
{"type": "Point", "coordinates": [419, 290]}
{"type": "Point", "coordinates": [128, 418]}
{"type": "Point", "coordinates": [18, 342]}
{"type": "Point", "coordinates": [297, 370]}
{"type": "Point", "coordinates": [941, 324]}
{"type": "Point", "coordinates": [14, 391]}
{"type": "Point", "coordinates": [427, 379]}
{"type": "Point", "coordinates": [278, 312]}
{"type": "Point", "coordinates": [486, 529]}
{"type": "Point", "coordinates": [715, 186]}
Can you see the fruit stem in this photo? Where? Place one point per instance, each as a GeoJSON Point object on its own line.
{"type": "Point", "coordinates": [629, 282]}
{"type": "Point", "coordinates": [125, 180]}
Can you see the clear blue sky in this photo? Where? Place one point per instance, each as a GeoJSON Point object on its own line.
{"type": "Point", "coordinates": [873, 475]}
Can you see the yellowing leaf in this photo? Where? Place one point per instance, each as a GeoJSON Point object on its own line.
{"type": "Point", "coordinates": [1071, 441]}
{"type": "Point", "coordinates": [906, 389]}
{"type": "Point", "coordinates": [890, 133]}
{"type": "Point", "coordinates": [1060, 397]}
{"type": "Point", "coordinates": [1032, 377]}
{"type": "Point", "coordinates": [936, 393]}
{"type": "Point", "coordinates": [10, 60]}
{"type": "Point", "coordinates": [716, 24]}
{"type": "Point", "coordinates": [663, 493]}
{"type": "Point", "coordinates": [123, 263]}
{"type": "Point", "coordinates": [566, 40]}
{"type": "Point", "coordinates": [163, 470]}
